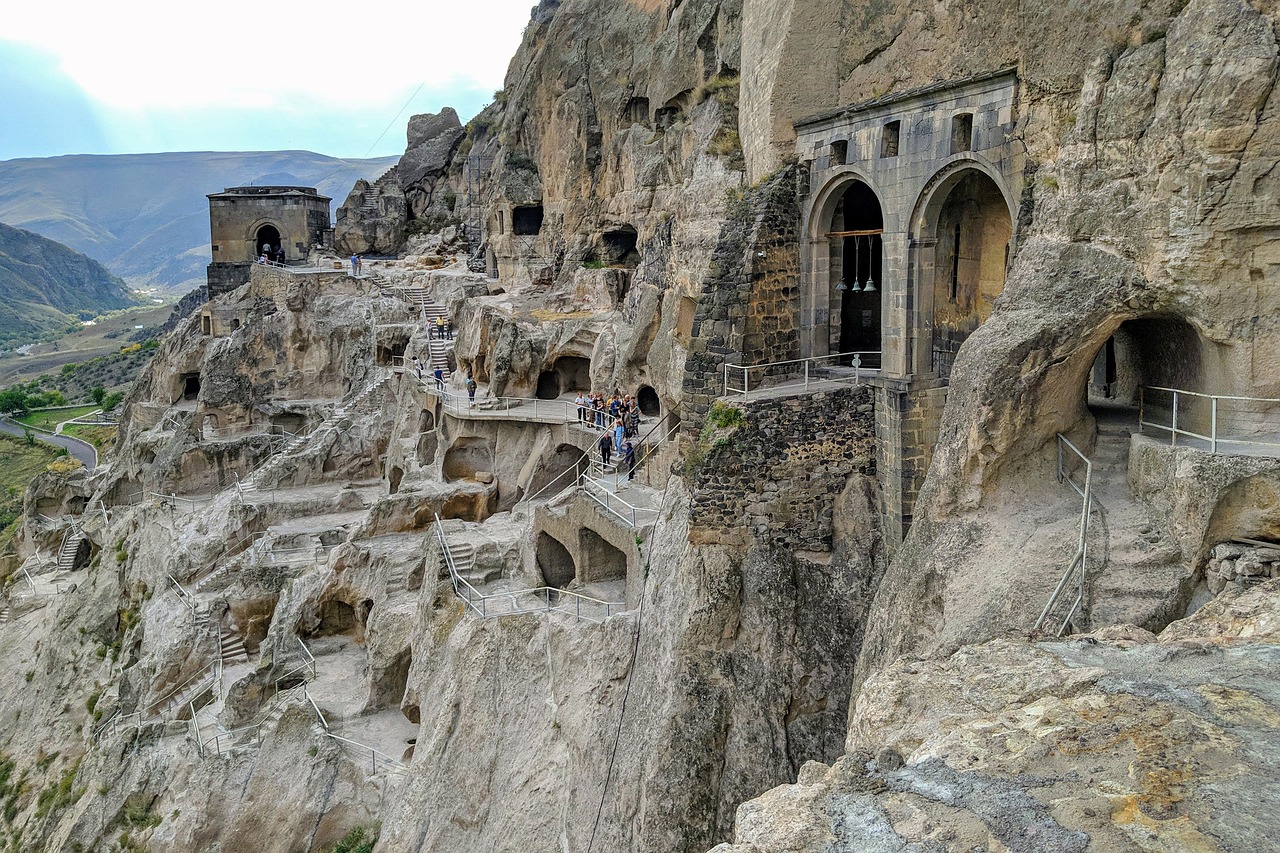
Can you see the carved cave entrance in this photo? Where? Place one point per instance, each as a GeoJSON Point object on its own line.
{"type": "Point", "coordinates": [554, 561]}
{"type": "Point", "coordinates": [856, 264]}
{"type": "Point", "coordinates": [266, 238]}
{"type": "Point", "coordinates": [972, 229]}
{"type": "Point", "coordinates": [1155, 352]}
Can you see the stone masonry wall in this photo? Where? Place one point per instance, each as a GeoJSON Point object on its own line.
{"type": "Point", "coordinates": [777, 477]}
{"type": "Point", "coordinates": [749, 311]}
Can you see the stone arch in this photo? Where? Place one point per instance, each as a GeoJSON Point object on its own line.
{"type": "Point", "coordinates": [336, 617]}
{"type": "Point", "coordinates": [961, 238]}
{"type": "Point", "coordinates": [265, 231]}
{"type": "Point", "coordinates": [574, 371]}
{"type": "Point", "coordinates": [835, 319]}
{"type": "Point", "coordinates": [554, 561]}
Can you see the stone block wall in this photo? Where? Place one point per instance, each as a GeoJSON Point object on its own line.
{"type": "Point", "coordinates": [906, 423]}
{"type": "Point", "coordinates": [777, 478]}
{"type": "Point", "coordinates": [749, 310]}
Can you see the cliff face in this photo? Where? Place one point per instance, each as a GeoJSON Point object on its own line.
{"type": "Point", "coordinates": [627, 216]}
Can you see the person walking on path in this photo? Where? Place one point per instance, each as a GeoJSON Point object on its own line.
{"type": "Point", "coordinates": [606, 445]}
{"type": "Point", "coordinates": [581, 402]}
{"type": "Point", "coordinates": [471, 389]}
{"type": "Point", "coordinates": [629, 460]}
{"type": "Point", "coordinates": [619, 435]}
{"type": "Point", "coordinates": [440, 378]}
{"type": "Point", "coordinates": [355, 265]}
{"type": "Point", "coordinates": [417, 365]}
{"type": "Point", "coordinates": [440, 328]}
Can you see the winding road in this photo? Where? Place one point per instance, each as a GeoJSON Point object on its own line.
{"type": "Point", "coordinates": [82, 450]}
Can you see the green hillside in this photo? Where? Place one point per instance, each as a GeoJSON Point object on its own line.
{"type": "Point", "coordinates": [45, 286]}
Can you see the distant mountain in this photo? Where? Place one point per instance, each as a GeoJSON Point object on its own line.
{"type": "Point", "coordinates": [44, 286]}
{"type": "Point", "coordinates": [145, 216]}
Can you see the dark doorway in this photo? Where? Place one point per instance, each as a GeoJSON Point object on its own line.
{"type": "Point", "coordinates": [267, 236]}
{"type": "Point", "coordinates": [574, 372]}
{"type": "Point", "coordinates": [554, 561]}
{"type": "Point", "coordinates": [647, 399]}
{"type": "Point", "coordinates": [190, 386]}
{"type": "Point", "coordinates": [618, 248]}
{"type": "Point", "coordinates": [526, 221]}
{"type": "Point", "coordinates": [548, 385]}
{"type": "Point", "coordinates": [857, 228]}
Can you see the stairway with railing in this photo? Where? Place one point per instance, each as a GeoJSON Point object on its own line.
{"type": "Point", "coordinates": [521, 602]}
{"type": "Point", "coordinates": [1071, 587]}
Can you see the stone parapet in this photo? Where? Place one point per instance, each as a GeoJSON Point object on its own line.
{"type": "Point", "coordinates": [776, 478]}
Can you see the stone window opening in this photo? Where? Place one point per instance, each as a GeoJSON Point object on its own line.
{"type": "Point", "coordinates": [526, 220]}
{"type": "Point", "coordinates": [637, 111]}
{"type": "Point", "coordinates": [502, 227]}
{"type": "Point", "coordinates": [961, 133]}
{"type": "Point", "coordinates": [839, 152]}
{"type": "Point", "coordinates": [190, 386]}
{"type": "Point", "coordinates": [889, 137]}
{"type": "Point", "coordinates": [856, 270]}
{"type": "Point", "coordinates": [619, 247]}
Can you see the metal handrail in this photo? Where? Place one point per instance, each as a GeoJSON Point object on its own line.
{"type": "Point", "coordinates": [478, 601]}
{"type": "Point", "coordinates": [1079, 561]}
{"type": "Point", "coordinates": [573, 470]}
{"type": "Point", "coordinates": [486, 407]}
{"type": "Point", "coordinates": [746, 389]}
{"type": "Point", "coordinates": [1214, 437]}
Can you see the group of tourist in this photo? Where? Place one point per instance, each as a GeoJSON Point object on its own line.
{"type": "Point", "coordinates": [357, 265]}
{"type": "Point", "coordinates": [270, 255]}
{"type": "Point", "coordinates": [619, 417]}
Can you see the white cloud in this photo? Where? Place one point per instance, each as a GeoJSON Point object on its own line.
{"type": "Point", "coordinates": [145, 54]}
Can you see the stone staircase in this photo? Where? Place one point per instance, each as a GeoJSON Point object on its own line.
{"type": "Point", "coordinates": [231, 647]}
{"type": "Point", "coordinates": [4, 614]}
{"type": "Point", "coordinates": [70, 547]}
{"type": "Point", "coordinates": [364, 403]}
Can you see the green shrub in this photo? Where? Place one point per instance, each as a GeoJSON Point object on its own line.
{"type": "Point", "coordinates": [359, 840]}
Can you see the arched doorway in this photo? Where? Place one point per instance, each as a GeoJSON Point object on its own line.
{"type": "Point", "coordinates": [266, 235]}
{"type": "Point", "coordinates": [856, 270]}
{"type": "Point", "coordinates": [964, 245]}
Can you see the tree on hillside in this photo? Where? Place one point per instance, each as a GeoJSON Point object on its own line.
{"type": "Point", "coordinates": [98, 394]}
{"type": "Point", "coordinates": [13, 401]}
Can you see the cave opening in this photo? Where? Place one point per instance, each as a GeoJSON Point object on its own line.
{"type": "Point", "coordinates": [548, 385]}
{"type": "Point", "coordinates": [601, 560]}
{"type": "Point", "coordinates": [526, 220]}
{"type": "Point", "coordinates": [190, 386]}
{"type": "Point", "coordinates": [554, 561]}
{"type": "Point", "coordinates": [647, 399]}
{"type": "Point", "coordinates": [618, 248]}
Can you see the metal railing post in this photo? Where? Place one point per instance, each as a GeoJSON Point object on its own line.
{"type": "Point", "coordinates": [1173, 433]}
{"type": "Point", "coordinates": [806, 374]}
{"type": "Point", "coordinates": [1142, 396]}
{"type": "Point", "coordinates": [1213, 424]}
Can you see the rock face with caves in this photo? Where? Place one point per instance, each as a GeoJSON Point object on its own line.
{"type": "Point", "coordinates": [316, 588]}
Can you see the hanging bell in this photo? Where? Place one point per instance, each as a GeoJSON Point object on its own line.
{"type": "Point", "coordinates": [870, 286]}
{"type": "Point", "coordinates": [841, 286]}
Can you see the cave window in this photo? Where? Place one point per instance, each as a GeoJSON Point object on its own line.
{"type": "Point", "coordinates": [961, 133]}
{"type": "Point", "coordinates": [548, 385]}
{"type": "Point", "coordinates": [206, 324]}
{"type": "Point", "coordinates": [637, 111]}
{"type": "Point", "coordinates": [619, 247]}
{"type": "Point", "coordinates": [190, 386]}
{"type": "Point", "coordinates": [839, 152]}
{"type": "Point", "coordinates": [889, 137]}
{"type": "Point", "coordinates": [235, 324]}
{"type": "Point", "coordinates": [647, 398]}
{"type": "Point", "coordinates": [526, 221]}
{"type": "Point", "coordinates": [665, 117]}
{"type": "Point", "coordinates": [502, 225]}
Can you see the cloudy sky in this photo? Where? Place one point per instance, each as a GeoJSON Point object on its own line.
{"type": "Point", "coordinates": [338, 78]}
